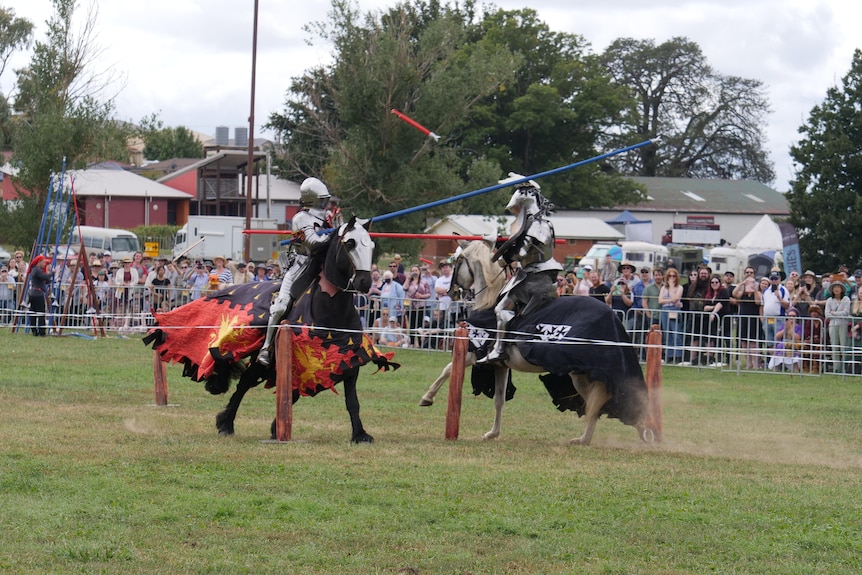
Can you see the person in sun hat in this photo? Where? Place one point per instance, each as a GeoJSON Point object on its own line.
{"type": "Point", "coordinates": [627, 272]}
{"type": "Point", "coordinates": [809, 282]}
{"type": "Point", "coordinates": [837, 312]}
{"type": "Point", "coordinates": [776, 300]}
{"type": "Point", "coordinates": [224, 275]}
{"type": "Point", "coordinates": [260, 273]}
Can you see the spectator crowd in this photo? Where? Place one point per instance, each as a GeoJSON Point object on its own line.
{"type": "Point", "coordinates": [806, 323]}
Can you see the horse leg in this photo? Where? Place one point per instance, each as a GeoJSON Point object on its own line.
{"type": "Point", "coordinates": [225, 419]}
{"type": "Point", "coordinates": [351, 400]}
{"type": "Point", "coordinates": [251, 377]}
{"type": "Point", "coordinates": [595, 396]}
{"type": "Point", "coordinates": [428, 398]}
{"type": "Point", "coordinates": [501, 376]}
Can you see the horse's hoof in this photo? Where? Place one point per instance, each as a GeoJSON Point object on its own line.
{"type": "Point", "coordinates": [579, 441]}
{"type": "Point", "coordinates": [426, 402]}
{"type": "Point", "coordinates": [490, 435]}
{"type": "Point", "coordinates": [263, 357]}
{"type": "Point", "coordinates": [647, 435]}
{"type": "Point", "coordinates": [362, 438]}
{"type": "Point", "coordinates": [225, 432]}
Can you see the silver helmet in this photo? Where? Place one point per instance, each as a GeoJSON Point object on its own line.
{"type": "Point", "coordinates": [523, 200]}
{"type": "Point", "coordinates": [314, 194]}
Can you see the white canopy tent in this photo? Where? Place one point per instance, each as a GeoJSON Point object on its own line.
{"type": "Point", "coordinates": [764, 237]}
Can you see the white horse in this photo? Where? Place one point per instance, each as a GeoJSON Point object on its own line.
{"type": "Point", "coordinates": [583, 339]}
{"type": "Point", "coordinates": [473, 269]}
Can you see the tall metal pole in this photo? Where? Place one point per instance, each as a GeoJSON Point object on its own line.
{"type": "Point", "coordinates": [250, 165]}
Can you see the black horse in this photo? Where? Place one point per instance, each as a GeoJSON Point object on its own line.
{"type": "Point", "coordinates": [329, 355]}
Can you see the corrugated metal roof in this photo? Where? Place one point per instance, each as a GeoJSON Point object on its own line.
{"type": "Point", "coordinates": [565, 227]}
{"type": "Point", "coordinates": [225, 161]}
{"type": "Point", "coordinates": [709, 196]}
{"type": "Point", "coordinates": [120, 183]}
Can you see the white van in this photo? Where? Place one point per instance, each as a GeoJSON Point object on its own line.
{"type": "Point", "coordinates": [726, 259]}
{"type": "Point", "coordinates": [121, 243]}
{"type": "Point", "coordinates": [595, 256]}
{"type": "Point", "coordinates": [645, 254]}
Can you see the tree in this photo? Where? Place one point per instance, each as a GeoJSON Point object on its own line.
{"type": "Point", "coordinates": [505, 93]}
{"type": "Point", "coordinates": [62, 113]}
{"type": "Point", "coordinates": [712, 126]}
{"type": "Point", "coordinates": [15, 34]}
{"type": "Point", "coordinates": [162, 143]}
{"type": "Point", "coordinates": [826, 195]}
{"type": "Point", "coordinates": [416, 58]}
{"type": "Point", "coordinates": [553, 113]}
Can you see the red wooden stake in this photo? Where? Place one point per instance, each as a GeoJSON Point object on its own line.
{"type": "Point", "coordinates": [160, 378]}
{"type": "Point", "coordinates": [283, 384]}
{"type": "Point", "coordinates": [456, 382]}
{"type": "Point", "coordinates": [653, 381]}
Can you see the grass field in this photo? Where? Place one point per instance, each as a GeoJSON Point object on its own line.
{"type": "Point", "coordinates": [757, 475]}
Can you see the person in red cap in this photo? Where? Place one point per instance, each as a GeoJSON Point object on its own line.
{"type": "Point", "coordinates": [39, 280]}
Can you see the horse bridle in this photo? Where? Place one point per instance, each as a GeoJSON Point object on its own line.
{"type": "Point", "coordinates": [349, 287]}
{"type": "Point", "coordinates": [463, 260]}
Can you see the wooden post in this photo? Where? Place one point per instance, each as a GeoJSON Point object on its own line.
{"type": "Point", "coordinates": [653, 381]}
{"type": "Point", "coordinates": [283, 383]}
{"type": "Point", "coordinates": [160, 377]}
{"type": "Point", "coordinates": [456, 382]}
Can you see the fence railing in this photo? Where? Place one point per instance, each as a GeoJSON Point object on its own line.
{"type": "Point", "coordinates": [804, 345]}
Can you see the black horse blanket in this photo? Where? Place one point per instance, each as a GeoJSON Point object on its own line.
{"type": "Point", "coordinates": [211, 336]}
{"type": "Point", "coordinates": [570, 334]}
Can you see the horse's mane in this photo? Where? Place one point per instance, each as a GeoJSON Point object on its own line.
{"type": "Point", "coordinates": [479, 254]}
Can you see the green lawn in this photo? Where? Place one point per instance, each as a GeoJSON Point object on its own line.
{"type": "Point", "coordinates": [757, 474]}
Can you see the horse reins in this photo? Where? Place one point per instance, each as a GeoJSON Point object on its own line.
{"type": "Point", "coordinates": [462, 260]}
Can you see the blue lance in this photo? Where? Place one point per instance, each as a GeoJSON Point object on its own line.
{"type": "Point", "coordinates": [505, 184]}
{"type": "Point", "coordinates": [508, 183]}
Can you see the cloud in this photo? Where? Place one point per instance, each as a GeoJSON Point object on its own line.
{"type": "Point", "coordinates": [190, 60]}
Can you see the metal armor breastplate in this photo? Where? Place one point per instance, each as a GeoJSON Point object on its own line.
{"type": "Point", "coordinates": [541, 246]}
{"type": "Point", "coordinates": [305, 221]}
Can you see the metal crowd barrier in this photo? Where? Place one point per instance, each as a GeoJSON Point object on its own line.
{"type": "Point", "coordinates": [748, 344]}
{"type": "Point", "coordinates": [691, 339]}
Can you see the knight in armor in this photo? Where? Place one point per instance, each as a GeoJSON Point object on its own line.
{"type": "Point", "coordinates": [304, 258]}
{"type": "Point", "coordinates": [529, 255]}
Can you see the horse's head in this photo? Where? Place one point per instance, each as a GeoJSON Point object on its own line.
{"type": "Point", "coordinates": [350, 267]}
{"type": "Point", "coordinates": [475, 274]}
{"type": "Point", "coordinates": [462, 274]}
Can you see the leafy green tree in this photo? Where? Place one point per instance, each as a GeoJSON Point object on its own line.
{"type": "Point", "coordinates": [15, 34]}
{"type": "Point", "coordinates": [417, 58]}
{"type": "Point", "coordinates": [162, 143]}
{"type": "Point", "coordinates": [711, 125]}
{"type": "Point", "coordinates": [826, 195]}
{"type": "Point", "coordinates": [504, 92]}
{"type": "Point", "coordinates": [553, 113]}
{"type": "Point", "coordinates": [62, 110]}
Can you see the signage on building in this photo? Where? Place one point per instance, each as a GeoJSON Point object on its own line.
{"type": "Point", "coordinates": [697, 234]}
{"type": "Point", "coordinates": [697, 220]}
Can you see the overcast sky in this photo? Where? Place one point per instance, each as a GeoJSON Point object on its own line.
{"type": "Point", "coordinates": [189, 61]}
